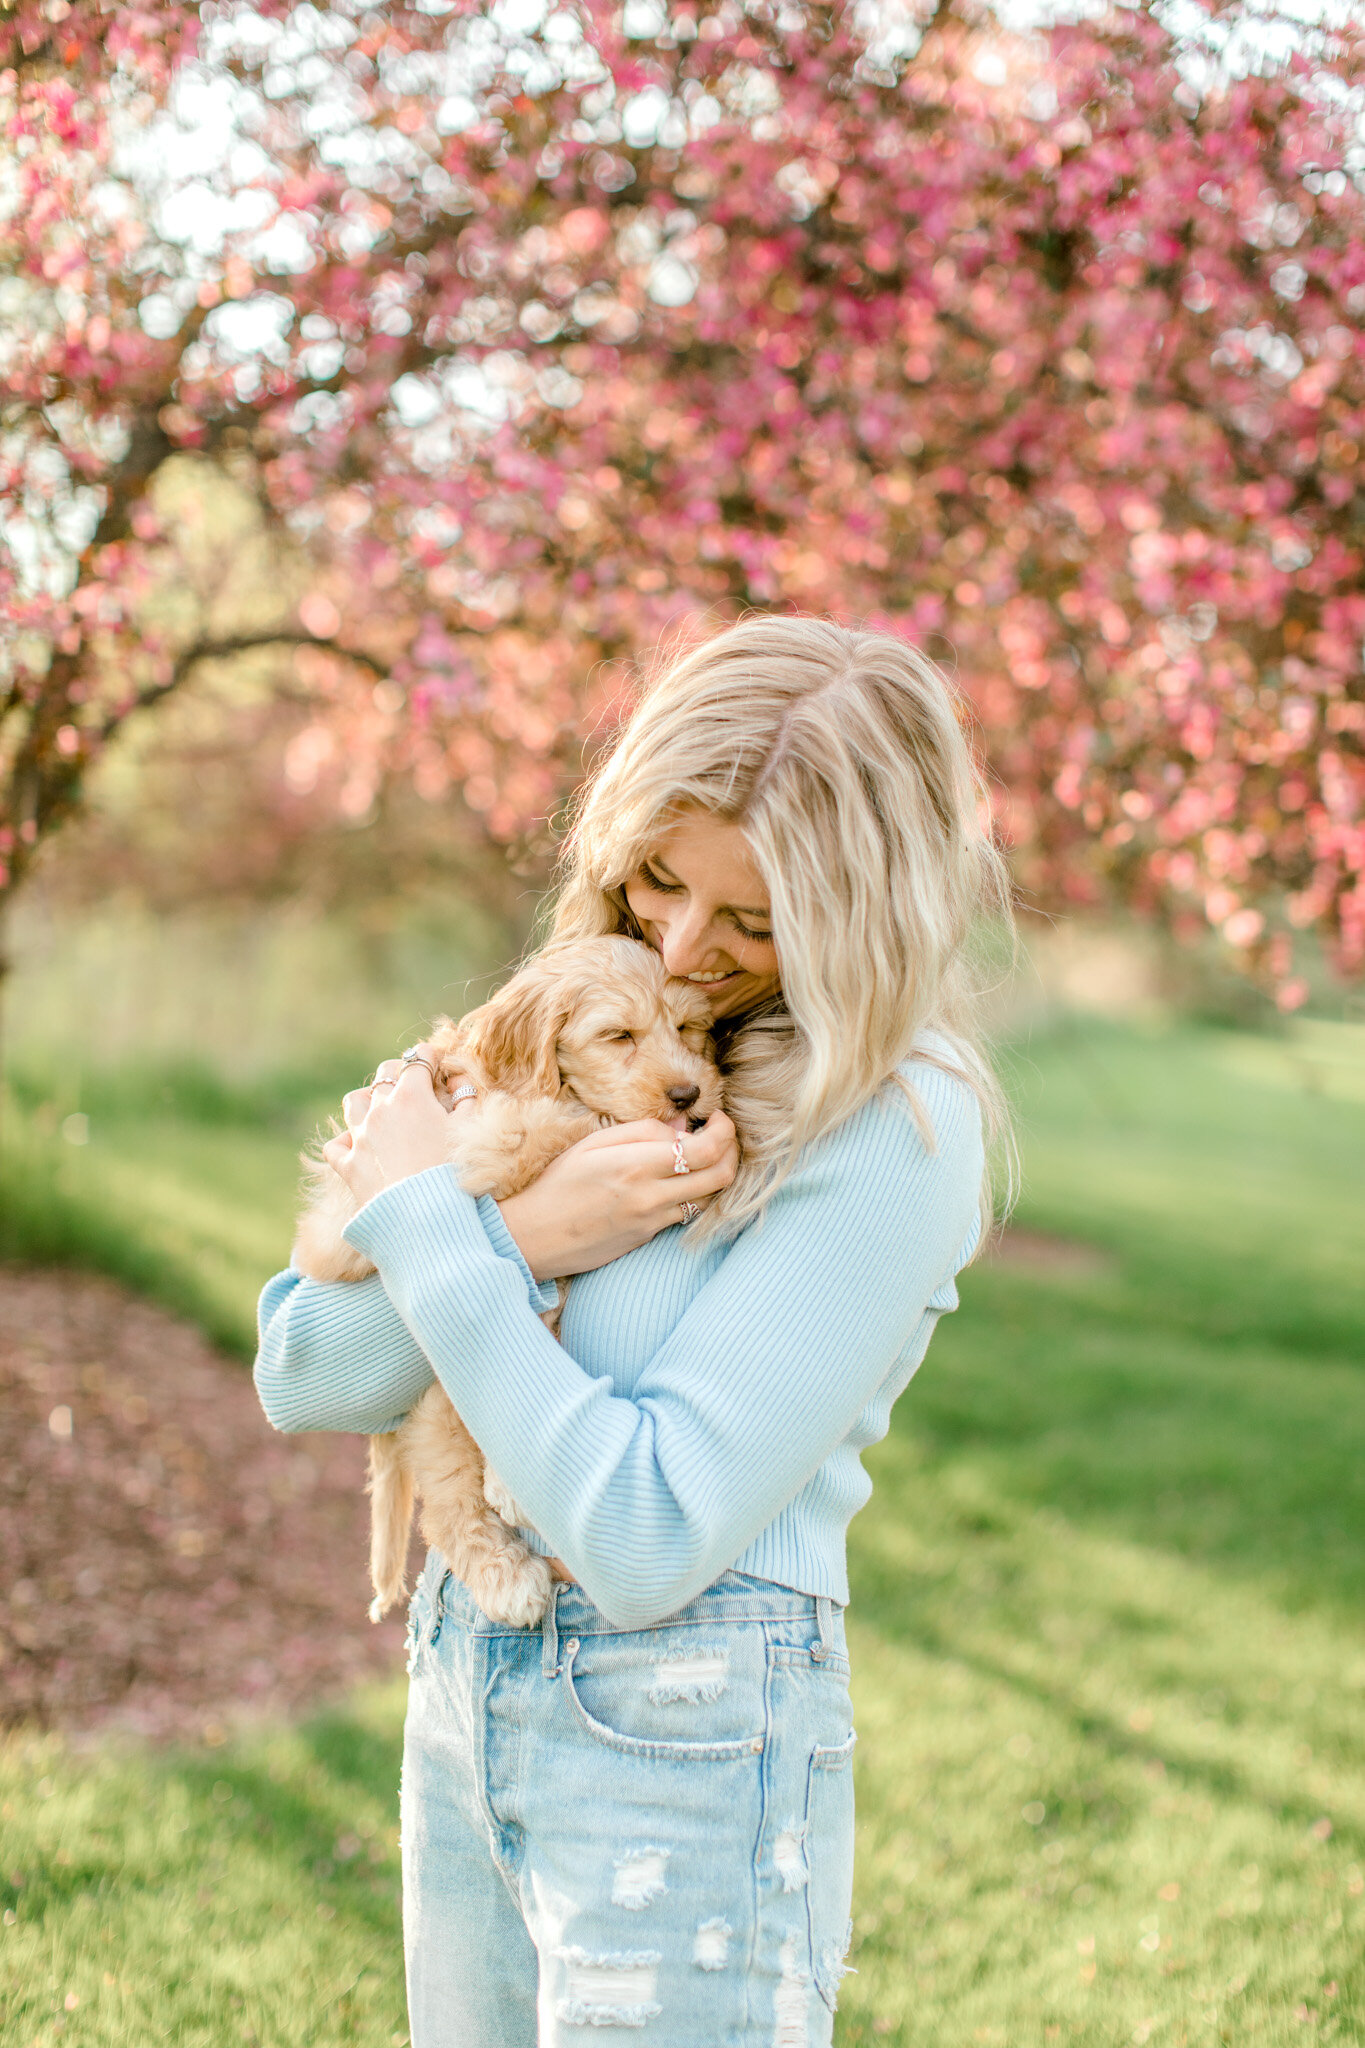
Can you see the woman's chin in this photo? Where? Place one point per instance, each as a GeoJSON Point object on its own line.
{"type": "Point", "coordinates": [740, 994]}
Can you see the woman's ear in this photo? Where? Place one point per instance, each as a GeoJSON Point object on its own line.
{"type": "Point", "coordinates": [515, 1036]}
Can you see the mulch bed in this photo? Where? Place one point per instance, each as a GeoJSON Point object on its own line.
{"type": "Point", "coordinates": [168, 1563]}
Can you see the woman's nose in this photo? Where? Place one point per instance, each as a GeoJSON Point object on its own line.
{"type": "Point", "coordinates": [684, 945]}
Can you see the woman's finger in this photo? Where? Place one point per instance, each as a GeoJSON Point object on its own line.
{"type": "Point", "coordinates": [640, 1130]}
{"type": "Point", "coordinates": [415, 1074]}
{"type": "Point", "coordinates": [355, 1107]}
{"type": "Point", "coordinates": [713, 1142]}
{"type": "Point", "coordinates": [698, 1186]}
{"type": "Point", "coordinates": [711, 1155]}
{"type": "Point", "coordinates": [337, 1149]}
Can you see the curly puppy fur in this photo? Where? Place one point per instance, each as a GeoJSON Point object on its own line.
{"type": "Point", "coordinates": [588, 1033]}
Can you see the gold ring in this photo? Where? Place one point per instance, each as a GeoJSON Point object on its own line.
{"type": "Point", "coordinates": [680, 1164]}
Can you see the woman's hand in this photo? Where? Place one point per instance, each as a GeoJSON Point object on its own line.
{"type": "Point", "coordinates": [395, 1127]}
{"type": "Point", "coordinates": [609, 1193]}
{"type": "Point", "coordinates": [614, 1190]}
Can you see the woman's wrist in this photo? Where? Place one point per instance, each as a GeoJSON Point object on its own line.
{"type": "Point", "coordinates": [556, 1250]}
{"type": "Point", "coordinates": [533, 1230]}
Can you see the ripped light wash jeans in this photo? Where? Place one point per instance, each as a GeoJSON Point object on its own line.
{"type": "Point", "coordinates": [639, 1829]}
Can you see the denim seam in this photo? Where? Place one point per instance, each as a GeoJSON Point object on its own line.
{"type": "Point", "coordinates": [829, 1758]}
{"type": "Point", "coordinates": [526, 1671]}
{"type": "Point", "coordinates": [751, 1973]}
{"type": "Point", "coordinates": [482, 1685]}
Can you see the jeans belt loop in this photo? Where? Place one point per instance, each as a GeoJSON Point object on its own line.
{"type": "Point", "coordinates": [549, 1636]}
{"type": "Point", "coordinates": [824, 1616]}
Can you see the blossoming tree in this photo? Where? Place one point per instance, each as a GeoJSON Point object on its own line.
{"type": "Point", "coordinates": [546, 332]}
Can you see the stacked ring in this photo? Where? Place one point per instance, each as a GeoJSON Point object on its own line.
{"type": "Point", "coordinates": [413, 1058]}
{"type": "Point", "coordinates": [689, 1210]}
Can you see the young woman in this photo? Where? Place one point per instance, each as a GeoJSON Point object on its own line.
{"type": "Point", "coordinates": [641, 1816]}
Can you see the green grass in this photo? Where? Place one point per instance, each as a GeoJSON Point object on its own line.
{"type": "Point", "coordinates": [183, 1184]}
{"type": "Point", "coordinates": [248, 1894]}
{"type": "Point", "coordinates": [1107, 1613]}
{"type": "Point", "coordinates": [1107, 1628]}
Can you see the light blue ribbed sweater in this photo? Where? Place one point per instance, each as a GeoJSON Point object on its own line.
{"type": "Point", "coordinates": [705, 1406]}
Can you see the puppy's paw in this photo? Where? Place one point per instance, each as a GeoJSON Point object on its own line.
{"type": "Point", "coordinates": [499, 1498]}
{"type": "Point", "coordinates": [514, 1590]}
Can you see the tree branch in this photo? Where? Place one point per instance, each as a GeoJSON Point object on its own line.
{"type": "Point", "coordinates": [224, 650]}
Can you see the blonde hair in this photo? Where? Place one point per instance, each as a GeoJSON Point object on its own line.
{"type": "Point", "coordinates": [842, 753]}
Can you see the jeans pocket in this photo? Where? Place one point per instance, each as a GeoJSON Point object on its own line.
{"type": "Point", "coordinates": [667, 1700]}
{"type": "Point", "coordinates": [829, 1855]}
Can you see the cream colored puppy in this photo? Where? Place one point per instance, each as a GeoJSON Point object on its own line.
{"type": "Point", "coordinates": [588, 1033]}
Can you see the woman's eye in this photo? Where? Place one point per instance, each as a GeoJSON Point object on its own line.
{"type": "Point", "coordinates": [653, 881]}
{"type": "Point", "coordinates": [759, 938]}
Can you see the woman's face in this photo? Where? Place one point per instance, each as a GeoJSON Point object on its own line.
{"type": "Point", "coordinates": [701, 902]}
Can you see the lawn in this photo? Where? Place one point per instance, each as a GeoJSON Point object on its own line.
{"type": "Point", "coordinates": [172, 1178]}
{"type": "Point", "coordinates": [1107, 1622]}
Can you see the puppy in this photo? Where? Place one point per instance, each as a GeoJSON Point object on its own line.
{"type": "Point", "coordinates": [588, 1033]}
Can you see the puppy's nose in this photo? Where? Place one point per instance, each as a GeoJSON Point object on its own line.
{"type": "Point", "coordinates": [682, 1097]}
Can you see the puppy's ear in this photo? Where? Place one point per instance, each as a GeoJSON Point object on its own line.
{"type": "Point", "coordinates": [514, 1036]}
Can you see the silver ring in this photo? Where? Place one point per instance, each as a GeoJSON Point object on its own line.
{"type": "Point", "coordinates": [690, 1209]}
{"type": "Point", "coordinates": [463, 1093]}
{"type": "Point", "coordinates": [383, 1080]}
{"type": "Point", "coordinates": [413, 1058]}
{"type": "Point", "coordinates": [680, 1164]}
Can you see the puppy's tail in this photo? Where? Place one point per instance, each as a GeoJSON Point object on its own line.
{"type": "Point", "coordinates": [391, 1502]}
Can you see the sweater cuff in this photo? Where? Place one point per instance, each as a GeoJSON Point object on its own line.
{"type": "Point", "coordinates": [544, 1294]}
{"type": "Point", "coordinates": [432, 1207]}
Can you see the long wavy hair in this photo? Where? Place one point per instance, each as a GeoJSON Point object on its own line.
{"type": "Point", "coordinates": [843, 755]}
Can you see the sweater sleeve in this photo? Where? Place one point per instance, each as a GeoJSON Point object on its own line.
{"type": "Point", "coordinates": [648, 1499]}
{"type": "Point", "coordinates": [339, 1356]}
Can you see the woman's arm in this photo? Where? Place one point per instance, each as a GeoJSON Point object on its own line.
{"type": "Point", "coordinates": [339, 1356]}
{"type": "Point", "coordinates": [648, 1499]}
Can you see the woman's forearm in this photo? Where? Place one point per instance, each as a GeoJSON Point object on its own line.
{"type": "Point", "coordinates": [335, 1356]}
{"type": "Point", "coordinates": [339, 1356]}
